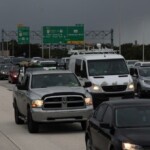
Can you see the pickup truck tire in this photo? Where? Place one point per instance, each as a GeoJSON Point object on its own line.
{"type": "Point", "coordinates": [17, 114]}
{"type": "Point", "coordinates": [88, 144]}
{"type": "Point", "coordinates": [33, 127]}
{"type": "Point", "coordinates": [83, 125]}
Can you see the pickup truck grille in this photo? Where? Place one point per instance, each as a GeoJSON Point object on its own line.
{"type": "Point", "coordinates": [64, 102]}
{"type": "Point", "coordinates": [115, 88]}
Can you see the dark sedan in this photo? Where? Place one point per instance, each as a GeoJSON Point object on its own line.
{"type": "Point", "coordinates": [4, 71]}
{"type": "Point", "coordinates": [119, 125]}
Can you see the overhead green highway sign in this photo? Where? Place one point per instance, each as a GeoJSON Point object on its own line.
{"type": "Point", "coordinates": [54, 34]}
{"type": "Point", "coordinates": [75, 34]}
{"type": "Point", "coordinates": [63, 34]}
{"type": "Point", "coordinates": [23, 35]}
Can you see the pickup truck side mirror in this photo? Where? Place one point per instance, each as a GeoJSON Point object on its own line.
{"type": "Point", "coordinates": [87, 84]}
{"type": "Point", "coordinates": [21, 87]}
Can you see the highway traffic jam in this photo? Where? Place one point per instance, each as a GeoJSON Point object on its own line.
{"type": "Point", "coordinates": [104, 94]}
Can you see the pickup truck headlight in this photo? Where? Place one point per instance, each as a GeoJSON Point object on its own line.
{"type": "Point", "coordinates": [37, 103]}
{"type": "Point", "coordinates": [88, 101]}
{"type": "Point", "coordinates": [129, 146]}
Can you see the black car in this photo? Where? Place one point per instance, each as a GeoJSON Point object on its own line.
{"type": "Point", "coordinates": [119, 125]}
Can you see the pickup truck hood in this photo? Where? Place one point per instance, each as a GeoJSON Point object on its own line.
{"type": "Point", "coordinates": [50, 90]}
{"type": "Point", "coordinates": [111, 80]}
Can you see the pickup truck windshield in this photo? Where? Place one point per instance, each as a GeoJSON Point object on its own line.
{"type": "Point", "coordinates": [107, 67]}
{"type": "Point", "coordinates": [49, 80]}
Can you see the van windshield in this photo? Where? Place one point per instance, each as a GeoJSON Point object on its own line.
{"type": "Point", "coordinates": [107, 67]}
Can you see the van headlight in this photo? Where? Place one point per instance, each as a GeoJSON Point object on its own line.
{"type": "Point", "coordinates": [88, 101]}
{"type": "Point", "coordinates": [37, 103]}
{"type": "Point", "coordinates": [129, 146]}
{"type": "Point", "coordinates": [96, 88]}
{"type": "Point", "coordinates": [131, 86]}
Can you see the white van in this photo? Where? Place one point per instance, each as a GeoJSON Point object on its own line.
{"type": "Point", "coordinates": [106, 70]}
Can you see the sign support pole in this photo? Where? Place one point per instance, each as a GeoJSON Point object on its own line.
{"type": "Point", "coordinates": [49, 51]}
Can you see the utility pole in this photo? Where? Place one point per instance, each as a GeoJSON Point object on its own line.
{"type": "Point", "coordinates": [112, 38]}
{"type": "Point", "coordinates": [2, 52]}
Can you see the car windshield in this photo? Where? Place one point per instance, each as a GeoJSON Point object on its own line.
{"type": "Point", "coordinates": [136, 116]}
{"type": "Point", "coordinates": [49, 80]}
{"type": "Point", "coordinates": [6, 67]}
{"type": "Point", "coordinates": [107, 67]}
{"type": "Point", "coordinates": [144, 71]}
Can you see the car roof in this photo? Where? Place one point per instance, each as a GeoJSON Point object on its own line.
{"type": "Point", "coordinates": [127, 102]}
{"type": "Point", "coordinates": [36, 72]}
{"type": "Point", "coordinates": [46, 61]}
{"type": "Point", "coordinates": [142, 64]}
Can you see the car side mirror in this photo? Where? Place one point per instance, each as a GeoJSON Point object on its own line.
{"type": "Point", "coordinates": [105, 125]}
{"type": "Point", "coordinates": [87, 84]}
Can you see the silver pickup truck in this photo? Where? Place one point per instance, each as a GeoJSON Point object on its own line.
{"type": "Point", "coordinates": [51, 96]}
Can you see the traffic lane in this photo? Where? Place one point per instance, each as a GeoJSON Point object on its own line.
{"type": "Point", "coordinates": [53, 136]}
{"type": "Point", "coordinates": [7, 85]}
{"type": "Point", "coordinates": [6, 143]}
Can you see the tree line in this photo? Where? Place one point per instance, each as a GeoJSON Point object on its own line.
{"type": "Point", "coordinates": [128, 50]}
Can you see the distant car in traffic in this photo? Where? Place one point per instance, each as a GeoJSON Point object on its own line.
{"type": "Point", "coordinates": [13, 74]}
{"type": "Point", "coordinates": [47, 64]}
{"type": "Point", "coordinates": [130, 63]}
{"type": "Point", "coordinates": [4, 71]}
{"type": "Point", "coordinates": [119, 125]}
{"type": "Point", "coordinates": [141, 79]}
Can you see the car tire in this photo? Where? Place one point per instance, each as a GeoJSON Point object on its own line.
{"type": "Point", "coordinates": [17, 115]}
{"type": "Point", "coordinates": [8, 80]}
{"type": "Point", "coordinates": [33, 127]}
{"type": "Point", "coordinates": [112, 148]}
{"type": "Point", "coordinates": [88, 144]}
{"type": "Point", "coordinates": [139, 92]}
{"type": "Point", "coordinates": [83, 125]}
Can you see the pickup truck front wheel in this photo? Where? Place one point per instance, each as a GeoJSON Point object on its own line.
{"type": "Point", "coordinates": [33, 127]}
{"type": "Point", "coordinates": [17, 115]}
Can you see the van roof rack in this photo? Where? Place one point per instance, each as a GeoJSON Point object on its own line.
{"type": "Point", "coordinates": [92, 51]}
{"type": "Point", "coordinates": [99, 50]}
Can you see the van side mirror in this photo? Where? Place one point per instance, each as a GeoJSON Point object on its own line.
{"type": "Point", "coordinates": [131, 71]}
{"type": "Point", "coordinates": [87, 84]}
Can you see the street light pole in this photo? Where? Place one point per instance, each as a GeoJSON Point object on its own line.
{"type": "Point", "coordinates": [143, 49]}
{"type": "Point", "coordinates": [120, 26]}
{"type": "Point", "coordinates": [2, 52]}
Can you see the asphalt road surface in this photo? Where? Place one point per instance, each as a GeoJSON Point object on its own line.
{"type": "Point", "coordinates": [58, 136]}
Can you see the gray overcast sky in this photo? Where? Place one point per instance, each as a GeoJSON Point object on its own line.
{"type": "Point", "coordinates": [132, 15]}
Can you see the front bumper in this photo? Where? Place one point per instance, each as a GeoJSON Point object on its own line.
{"type": "Point", "coordinates": [71, 115]}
